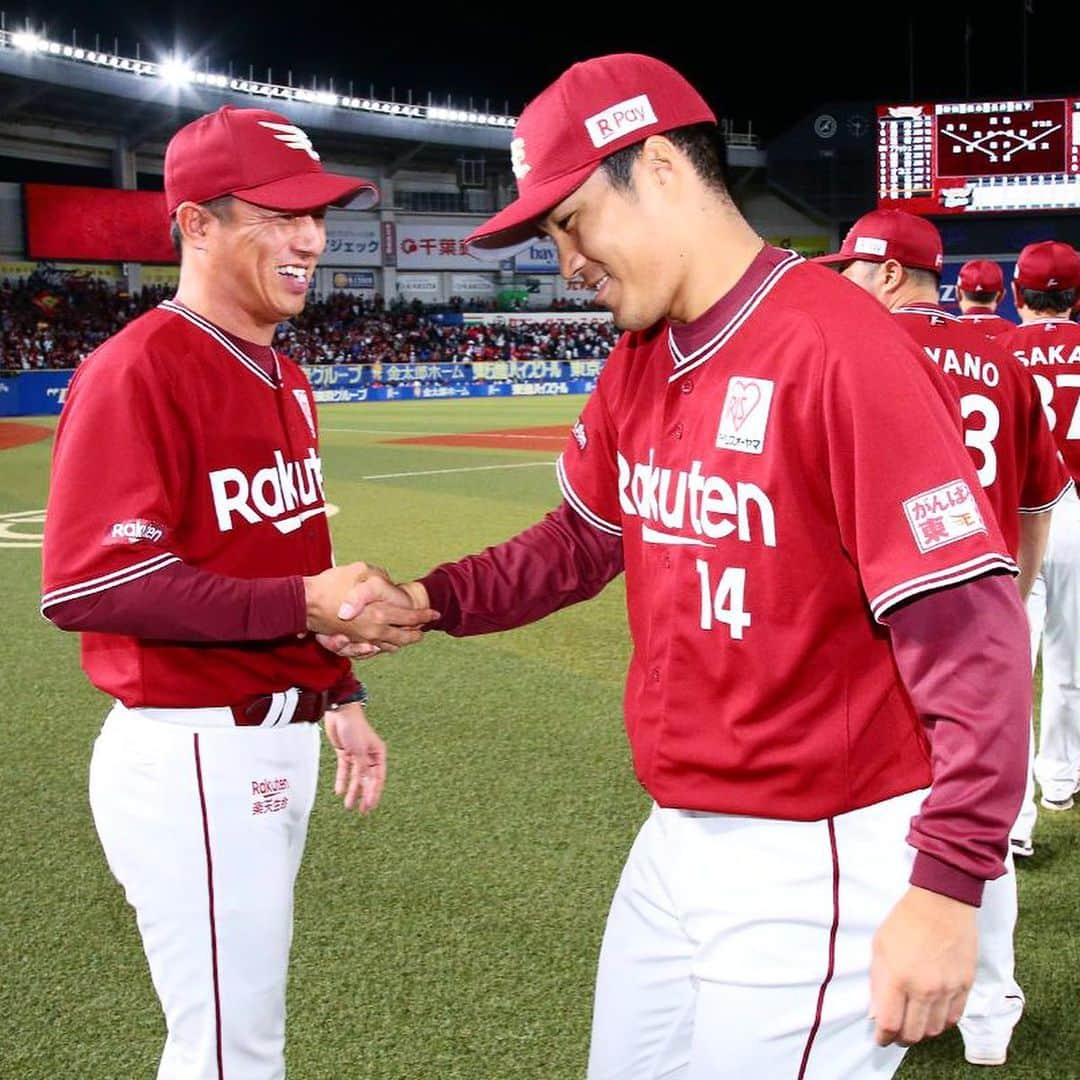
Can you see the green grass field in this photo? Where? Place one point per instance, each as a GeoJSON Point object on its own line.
{"type": "Point", "coordinates": [453, 936]}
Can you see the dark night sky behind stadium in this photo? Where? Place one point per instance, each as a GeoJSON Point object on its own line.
{"type": "Point", "coordinates": [755, 64]}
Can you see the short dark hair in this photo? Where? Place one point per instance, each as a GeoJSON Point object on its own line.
{"type": "Point", "coordinates": [978, 297]}
{"type": "Point", "coordinates": [701, 143]}
{"type": "Point", "coordinates": [221, 208]}
{"type": "Point", "coordinates": [925, 278]}
{"type": "Point", "coordinates": [1049, 300]}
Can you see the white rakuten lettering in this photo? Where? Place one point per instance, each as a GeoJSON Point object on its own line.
{"type": "Point", "coordinates": [278, 489]}
{"type": "Point", "coordinates": [708, 505]}
{"type": "Point", "coordinates": [969, 365]}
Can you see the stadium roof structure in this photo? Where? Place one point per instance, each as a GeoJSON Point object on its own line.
{"type": "Point", "coordinates": [46, 84]}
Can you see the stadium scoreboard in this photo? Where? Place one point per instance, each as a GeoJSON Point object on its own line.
{"type": "Point", "coordinates": [979, 157]}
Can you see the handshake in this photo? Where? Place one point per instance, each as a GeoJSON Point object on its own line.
{"type": "Point", "coordinates": [356, 610]}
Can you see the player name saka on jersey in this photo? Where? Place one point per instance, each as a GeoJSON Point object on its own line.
{"type": "Point", "coordinates": [968, 364]}
{"type": "Point", "coordinates": [281, 488]}
{"type": "Point", "coordinates": [1053, 354]}
{"type": "Point", "coordinates": [669, 497]}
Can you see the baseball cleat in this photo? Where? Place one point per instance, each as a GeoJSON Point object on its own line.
{"type": "Point", "coordinates": [1024, 848]}
{"type": "Point", "coordinates": [985, 1055]}
{"type": "Point", "coordinates": [1057, 805]}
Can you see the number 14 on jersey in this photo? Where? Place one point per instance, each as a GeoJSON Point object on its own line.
{"type": "Point", "coordinates": [724, 603]}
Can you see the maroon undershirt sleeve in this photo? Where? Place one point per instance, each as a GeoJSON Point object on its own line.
{"type": "Point", "coordinates": [184, 603]}
{"type": "Point", "coordinates": [963, 654]}
{"type": "Point", "coordinates": [556, 562]}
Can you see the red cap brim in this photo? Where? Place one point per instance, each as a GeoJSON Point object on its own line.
{"type": "Point", "coordinates": [512, 228]}
{"type": "Point", "coordinates": [309, 191]}
{"type": "Point", "coordinates": [839, 257]}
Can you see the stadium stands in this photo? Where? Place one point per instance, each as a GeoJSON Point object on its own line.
{"type": "Point", "coordinates": [47, 324]}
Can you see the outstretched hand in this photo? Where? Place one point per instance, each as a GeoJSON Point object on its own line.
{"type": "Point", "coordinates": [357, 603]}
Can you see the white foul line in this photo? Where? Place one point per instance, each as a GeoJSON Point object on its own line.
{"type": "Point", "coordinates": [472, 468]}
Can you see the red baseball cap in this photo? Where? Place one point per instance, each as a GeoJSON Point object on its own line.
{"type": "Point", "coordinates": [593, 109]}
{"type": "Point", "coordinates": [1049, 266]}
{"type": "Point", "coordinates": [259, 157]}
{"type": "Point", "coordinates": [891, 234]}
{"type": "Point", "coordinates": [981, 276]}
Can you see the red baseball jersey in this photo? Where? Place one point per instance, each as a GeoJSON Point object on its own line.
{"type": "Point", "coordinates": [783, 472]}
{"type": "Point", "coordinates": [174, 445]}
{"type": "Point", "coordinates": [1016, 458]}
{"type": "Point", "coordinates": [989, 322]}
{"type": "Point", "coordinates": [1050, 350]}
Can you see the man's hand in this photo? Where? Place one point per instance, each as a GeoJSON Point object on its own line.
{"type": "Point", "coordinates": [358, 603]}
{"type": "Point", "coordinates": [923, 967]}
{"type": "Point", "coordinates": [361, 757]}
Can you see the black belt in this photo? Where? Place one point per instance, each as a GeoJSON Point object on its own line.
{"type": "Point", "coordinates": [310, 706]}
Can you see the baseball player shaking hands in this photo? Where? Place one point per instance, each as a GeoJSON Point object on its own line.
{"type": "Point", "coordinates": [187, 541]}
{"type": "Point", "coordinates": [782, 479]}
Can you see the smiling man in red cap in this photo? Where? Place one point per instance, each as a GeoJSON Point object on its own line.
{"type": "Point", "coordinates": [801, 530]}
{"type": "Point", "coordinates": [980, 287]}
{"type": "Point", "coordinates": [187, 541]}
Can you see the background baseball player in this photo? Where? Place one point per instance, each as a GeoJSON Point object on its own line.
{"type": "Point", "coordinates": [1047, 342]}
{"type": "Point", "coordinates": [186, 537]}
{"type": "Point", "coordinates": [897, 258]}
{"type": "Point", "coordinates": [980, 287]}
{"type": "Point", "coordinates": [781, 482]}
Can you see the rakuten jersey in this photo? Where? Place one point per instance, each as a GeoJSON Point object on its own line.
{"type": "Point", "coordinates": [783, 472]}
{"type": "Point", "coordinates": [174, 445]}
{"type": "Point", "coordinates": [987, 321]}
{"type": "Point", "coordinates": [1050, 350]}
{"type": "Point", "coordinates": [1016, 458]}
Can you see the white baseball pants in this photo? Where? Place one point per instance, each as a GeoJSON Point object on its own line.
{"type": "Point", "coordinates": [740, 947]}
{"type": "Point", "coordinates": [203, 823]}
{"type": "Point", "coordinates": [1057, 763]}
{"type": "Point", "coordinates": [996, 1002]}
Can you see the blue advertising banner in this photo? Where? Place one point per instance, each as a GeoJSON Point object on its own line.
{"type": "Point", "coordinates": [42, 393]}
{"type": "Point", "coordinates": [348, 375]}
{"type": "Point", "coordinates": [33, 393]}
{"type": "Point", "coordinates": [465, 390]}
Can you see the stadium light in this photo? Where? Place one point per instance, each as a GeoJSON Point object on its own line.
{"type": "Point", "coordinates": [176, 72]}
{"type": "Point", "coordinates": [27, 41]}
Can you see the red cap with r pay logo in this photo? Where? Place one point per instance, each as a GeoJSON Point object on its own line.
{"type": "Point", "coordinates": [593, 109]}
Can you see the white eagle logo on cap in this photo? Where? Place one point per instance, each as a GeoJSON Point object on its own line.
{"type": "Point", "coordinates": [518, 164]}
{"type": "Point", "coordinates": [293, 137]}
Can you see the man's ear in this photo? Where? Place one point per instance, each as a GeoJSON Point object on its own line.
{"type": "Point", "coordinates": [659, 157]}
{"type": "Point", "coordinates": [194, 222]}
{"type": "Point", "coordinates": [892, 274]}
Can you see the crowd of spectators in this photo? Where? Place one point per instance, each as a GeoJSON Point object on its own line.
{"type": "Point", "coordinates": [52, 322]}
{"type": "Point", "coordinates": [345, 329]}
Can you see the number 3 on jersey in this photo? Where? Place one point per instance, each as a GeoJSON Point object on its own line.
{"type": "Point", "coordinates": [725, 604]}
{"type": "Point", "coordinates": [982, 438]}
